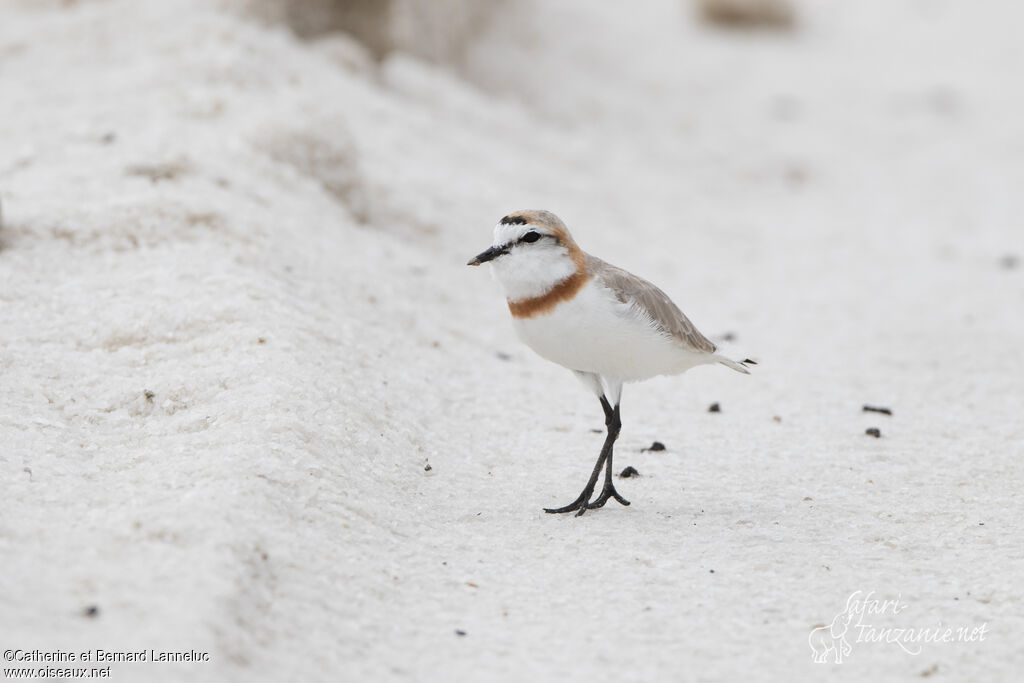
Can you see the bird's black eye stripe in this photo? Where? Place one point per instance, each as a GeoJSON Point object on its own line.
{"type": "Point", "coordinates": [530, 237]}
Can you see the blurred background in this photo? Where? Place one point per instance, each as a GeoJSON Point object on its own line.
{"type": "Point", "coordinates": [255, 404]}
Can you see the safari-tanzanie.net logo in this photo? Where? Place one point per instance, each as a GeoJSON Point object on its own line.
{"type": "Point", "coordinates": [868, 619]}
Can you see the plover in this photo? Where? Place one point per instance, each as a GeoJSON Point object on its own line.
{"type": "Point", "coordinates": [605, 324]}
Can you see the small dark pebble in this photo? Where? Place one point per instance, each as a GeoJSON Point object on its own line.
{"type": "Point", "coordinates": [597, 431]}
{"type": "Point", "coordinates": [714, 408]}
{"type": "Point", "coordinates": [747, 16]}
{"type": "Point", "coordinates": [873, 431]}
{"type": "Point", "coordinates": [981, 523]}
{"type": "Point", "coordinates": [503, 356]}
{"type": "Point", "coordinates": [712, 571]}
{"type": "Point", "coordinates": [459, 632]}
{"type": "Point", "coordinates": [877, 409]}
{"type": "Point", "coordinates": [729, 337]}
{"type": "Point", "coordinates": [427, 467]}
{"type": "Point", "coordinates": [92, 611]}
{"type": "Point", "coordinates": [656, 446]}
{"type": "Point", "coordinates": [629, 472]}
{"type": "Point", "coordinates": [149, 395]}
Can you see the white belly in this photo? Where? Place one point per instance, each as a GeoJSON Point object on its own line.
{"type": "Point", "coordinates": [596, 333]}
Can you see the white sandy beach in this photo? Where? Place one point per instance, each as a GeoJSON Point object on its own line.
{"type": "Point", "coordinates": [236, 325]}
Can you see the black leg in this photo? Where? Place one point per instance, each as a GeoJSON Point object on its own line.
{"type": "Point", "coordinates": [581, 504]}
{"type": "Point", "coordinates": [614, 425]}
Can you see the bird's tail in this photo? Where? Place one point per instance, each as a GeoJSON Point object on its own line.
{"type": "Point", "coordinates": [738, 367]}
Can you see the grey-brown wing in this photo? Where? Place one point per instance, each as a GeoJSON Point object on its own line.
{"type": "Point", "coordinates": [630, 289]}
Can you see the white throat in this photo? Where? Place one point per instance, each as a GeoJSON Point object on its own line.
{"type": "Point", "coordinates": [525, 275]}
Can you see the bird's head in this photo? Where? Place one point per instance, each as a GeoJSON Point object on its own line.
{"type": "Point", "coordinates": [531, 253]}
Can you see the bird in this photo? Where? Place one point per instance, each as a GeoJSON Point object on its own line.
{"type": "Point", "coordinates": [603, 323]}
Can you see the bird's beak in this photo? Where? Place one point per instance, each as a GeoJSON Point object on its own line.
{"type": "Point", "coordinates": [489, 255]}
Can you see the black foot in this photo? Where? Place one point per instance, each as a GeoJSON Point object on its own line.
{"type": "Point", "coordinates": [606, 493]}
{"type": "Point", "coordinates": [579, 505]}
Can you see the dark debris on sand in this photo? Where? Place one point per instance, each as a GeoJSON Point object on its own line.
{"type": "Point", "coordinates": [877, 409]}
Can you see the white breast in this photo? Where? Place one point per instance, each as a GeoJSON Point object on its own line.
{"type": "Point", "coordinates": [594, 332]}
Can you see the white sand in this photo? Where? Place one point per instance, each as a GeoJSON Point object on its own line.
{"type": "Point", "coordinates": [235, 324]}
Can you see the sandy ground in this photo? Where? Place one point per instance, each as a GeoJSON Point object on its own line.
{"type": "Point", "coordinates": [236, 325]}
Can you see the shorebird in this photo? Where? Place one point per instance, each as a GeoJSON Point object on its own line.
{"type": "Point", "coordinates": [605, 324]}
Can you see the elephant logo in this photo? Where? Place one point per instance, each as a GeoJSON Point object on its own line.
{"type": "Point", "coordinates": [830, 642]}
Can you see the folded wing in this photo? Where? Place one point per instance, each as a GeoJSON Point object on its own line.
{"type": "Point", "coordinates": [651, 302]}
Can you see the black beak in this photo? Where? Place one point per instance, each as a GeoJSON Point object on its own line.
{"type": "Point", "coordinates": [489, 255]}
